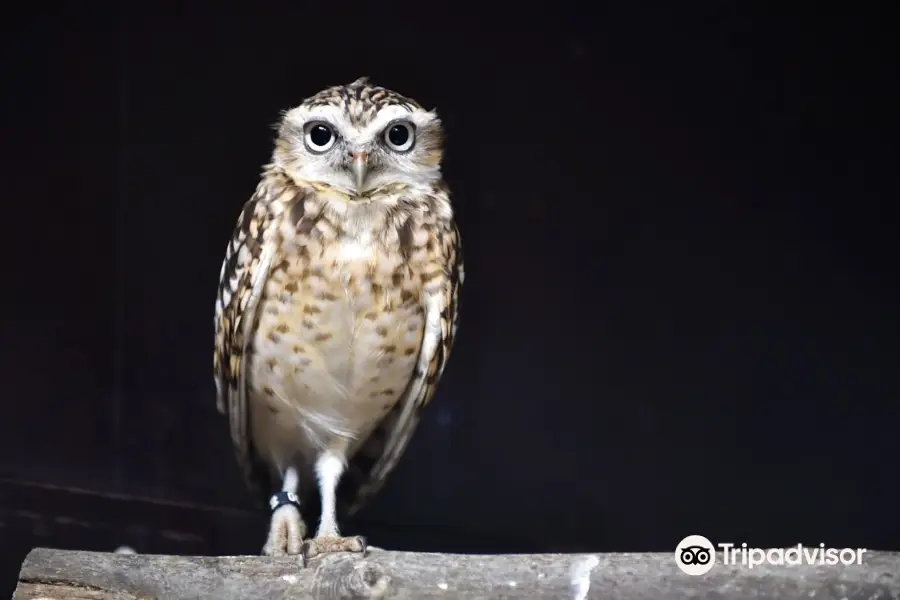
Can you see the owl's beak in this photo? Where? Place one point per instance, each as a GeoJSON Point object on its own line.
{"type": "Point", "coordinates": [359, 167]}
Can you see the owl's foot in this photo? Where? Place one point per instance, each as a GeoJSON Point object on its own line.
{"type": "Point", "coordinates": [328, 544]}
{"type": "Point", "coordinates": [286, 531]}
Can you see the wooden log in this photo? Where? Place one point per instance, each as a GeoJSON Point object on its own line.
{"type": "Point", "coordinates": [68, 575]}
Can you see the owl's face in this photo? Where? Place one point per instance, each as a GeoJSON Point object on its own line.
{"type": "Point", "coordinates": [359, 138]}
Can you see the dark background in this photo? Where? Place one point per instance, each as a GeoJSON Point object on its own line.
{"type": "Point", "coordinates": [680, 314]}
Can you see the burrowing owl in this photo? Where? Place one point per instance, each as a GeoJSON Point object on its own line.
{"type": "Point", "coordinates": [337, 305]}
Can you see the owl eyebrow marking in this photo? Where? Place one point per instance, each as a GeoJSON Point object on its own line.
{"type": "Point", "coordinates": [394, 113]}
{"type": "Point", "coordinates": [296, 119]}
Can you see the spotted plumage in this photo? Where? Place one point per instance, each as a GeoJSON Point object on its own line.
{"type": "Point", "coordinates": [337, 305]}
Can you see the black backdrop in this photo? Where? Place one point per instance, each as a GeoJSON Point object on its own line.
{"type": "Point", "coordinates": [681, 307]}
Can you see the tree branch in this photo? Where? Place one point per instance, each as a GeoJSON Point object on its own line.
{"type": "Point", "coordinates": [69, 575]}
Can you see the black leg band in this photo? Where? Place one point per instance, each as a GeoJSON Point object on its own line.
{"type": "Point", "coordinates": [282, 498]}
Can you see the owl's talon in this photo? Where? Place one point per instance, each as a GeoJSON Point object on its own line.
{"type": "Point", "coordinates": [329, 545]}
{"type": "Point", "coordinates": [304, 554]}
{"type": "Point", "coordinates": [286, 531]}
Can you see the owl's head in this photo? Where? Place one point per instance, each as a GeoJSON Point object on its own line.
{"type": "Point", "coordinates": [359, 138]}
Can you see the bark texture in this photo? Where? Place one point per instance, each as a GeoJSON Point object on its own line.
{"type": "Point", "coordinates": [70, 575]}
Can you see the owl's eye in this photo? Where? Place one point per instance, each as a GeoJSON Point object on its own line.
{"type": "Point", "coordinates": [319, 136]}
{"type": "Point", "coordinates": [400, 136]}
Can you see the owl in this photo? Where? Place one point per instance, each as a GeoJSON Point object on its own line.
{"type": "Point", "coordinates": [336, 308]}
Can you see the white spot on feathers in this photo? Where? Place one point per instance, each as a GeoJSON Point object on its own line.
{"type": "Point", "coordinates": [581, 576]}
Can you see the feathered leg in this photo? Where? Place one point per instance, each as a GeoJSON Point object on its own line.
{"type": "Point", "coordinates": [329, 467]}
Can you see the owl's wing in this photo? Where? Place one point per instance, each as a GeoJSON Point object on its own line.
{"type": "Point", "coordinates": [241, 280]}
{"type": "Point", "coordinates": [378, 456]}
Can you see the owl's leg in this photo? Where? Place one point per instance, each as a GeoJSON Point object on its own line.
{"type": "Point", "coordinates": [286, 528]}
{"type": "Point", "coordinates": [329, 468]}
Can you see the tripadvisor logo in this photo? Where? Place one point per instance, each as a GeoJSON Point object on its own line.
{"type": "Point", "coordinates": [793, 556]}
{"type": "Point", "coordinates": [696, 555]}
